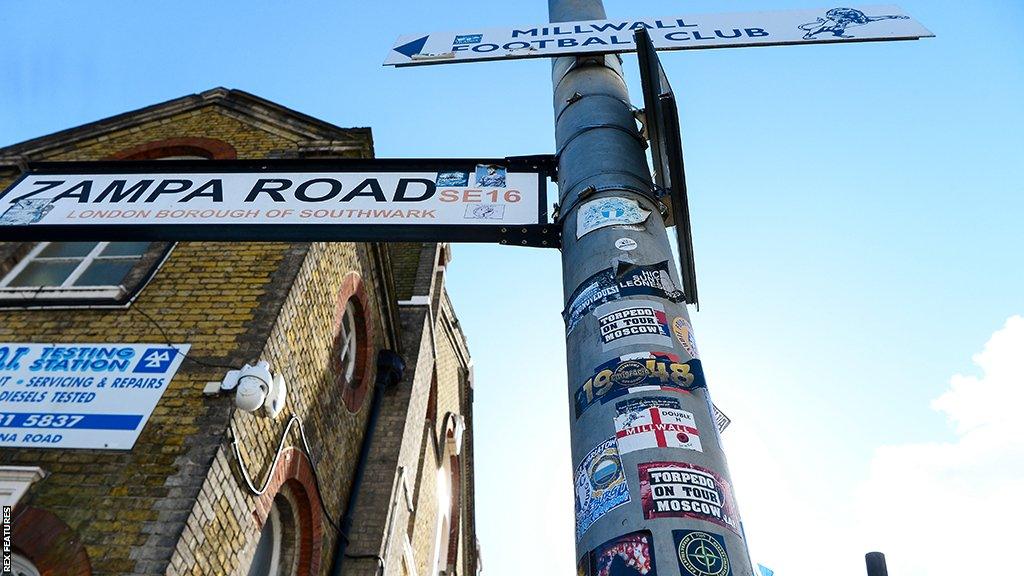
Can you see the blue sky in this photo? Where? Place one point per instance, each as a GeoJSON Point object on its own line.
{"type": "Point", "coordinates": [857, 230]}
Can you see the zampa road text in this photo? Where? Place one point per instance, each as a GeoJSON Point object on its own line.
{"type": "Point", "coordinates": [267, 197]}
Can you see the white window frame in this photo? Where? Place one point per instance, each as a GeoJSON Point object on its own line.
{"type": "Point", "coordinates": [349, 342]}
{"type": "Point", "coordinates": [444, 504]}
{"type": "Point", "coordinates": [15, 482]}
{"type": "Point", "coordinates": [273, 568]}
{"type": "Point", "coordinates": [66, 290]}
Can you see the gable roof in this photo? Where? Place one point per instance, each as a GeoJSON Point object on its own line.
{"type": "Point", "coordinates": [315, 134]}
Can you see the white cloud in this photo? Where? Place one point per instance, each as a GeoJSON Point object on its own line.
{"type": "Point", "coordinates": [945, 509]}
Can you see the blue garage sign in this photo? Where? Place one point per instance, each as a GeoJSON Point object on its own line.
{"type": "Point", "coordinates": [81, 395]}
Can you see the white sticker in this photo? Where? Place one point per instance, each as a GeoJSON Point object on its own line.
{"type": "Point", "coordinates": [625, 244]}
{"type": "Point", "coordinates": [604, 212]}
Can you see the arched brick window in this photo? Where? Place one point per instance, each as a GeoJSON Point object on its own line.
{"type": "Point", "coordinates": [452, 554]}
{"type": "Point", "coordinates": [209, 148]}
{"type": "Point", "coordinates": [353, 342]}
{"type": "Point", "coordinates": [50, 544]}
{"type": "Point", "coordinates": [289, 514]}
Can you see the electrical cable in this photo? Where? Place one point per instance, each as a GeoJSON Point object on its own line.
{"type": "Point", "coordinates": [273, 466]}
{"type": "Point", "coordinates": [167, 341]}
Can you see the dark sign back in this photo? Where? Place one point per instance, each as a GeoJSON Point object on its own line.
{"type": "Point", "coordinates": [662, 124]}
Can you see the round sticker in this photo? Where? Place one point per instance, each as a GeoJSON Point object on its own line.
{"type": "Point", "coordinates": [702, 555]}
{"type": "Point", "coordinates": [605, 471]}
{"type": "Point", "coordinates": [626, 244]}
{"type": "Point", "coordinates": [684, 334]}
{"type": "Point", "coordinates": [630, 372]}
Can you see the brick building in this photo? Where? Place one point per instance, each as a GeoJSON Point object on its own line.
{"type": "Point", "coordinates": [209, 488]}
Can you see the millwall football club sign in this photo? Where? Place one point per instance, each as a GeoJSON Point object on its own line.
{"type": "Point", "coordinates": [446, 200]}
{"type": "Point", "coordinates": [830, 24]}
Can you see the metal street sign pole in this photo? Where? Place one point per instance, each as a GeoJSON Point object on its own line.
{"type": "Point", "coordinates": [652, 487]}
{"type": "Point", "coordinates": [876, 564]}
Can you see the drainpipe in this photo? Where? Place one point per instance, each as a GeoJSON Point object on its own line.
{"type": "Point", "coordinates": [390, 369]}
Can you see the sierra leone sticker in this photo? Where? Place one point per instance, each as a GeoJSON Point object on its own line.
{"type": "Point", "coordinates": [701, 553]}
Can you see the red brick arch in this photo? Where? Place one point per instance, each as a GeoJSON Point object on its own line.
{"type": "Point", "coordinates": [353, 392]}
{"type": "Point", "coordinates": [209, 148]}
{"type": "Point", "coordinates": [54, 548]}
{"type": "Point", "coordinates": [294, 471]}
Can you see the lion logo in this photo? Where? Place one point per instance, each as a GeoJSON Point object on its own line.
{"type": "Point", "coordinates": [837, 20]}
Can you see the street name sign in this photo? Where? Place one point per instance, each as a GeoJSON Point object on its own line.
{"type": "Point", "coordinates": [826, 25]}
{"type": "Point", "coordinates": [661, 119]}
{"type": "Point", "coordinates": [288, 200]}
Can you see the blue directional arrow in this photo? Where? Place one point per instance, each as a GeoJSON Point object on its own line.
{"type": "Point", "coordinates": [412, 48]}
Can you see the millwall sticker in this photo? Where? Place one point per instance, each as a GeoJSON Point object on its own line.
{"type": "Point", "coordinates": [632, 322]}
{"type": "Point", "coordinates": [701, 553]}
{"type": "Point", "coordinates": [627, 555]}
{"type": "Point", "coordinates": [680, 490]}
{"type": "Point", "coordinates": [605, 212]}
{"type": "Point", "coordinates": [684, 334]}
{"type": "Point", "coordinates": [600, 485]}
{"type": "Point", "coordinates": [656, 426]}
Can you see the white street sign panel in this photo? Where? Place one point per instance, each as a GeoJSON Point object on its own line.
{"type": "Point", "coordinates": [870, 23]}
{"type": "Point", "coordinates": [81, 395]}
{"type": "Point", "coordinates": [488, 195]}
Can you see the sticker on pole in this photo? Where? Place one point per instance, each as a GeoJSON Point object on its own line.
{"type": "Point", "coordinates": [81, 395]}
{"type": "Point", "coordinates": [627, 555]}
{"type": "Point", "coordinates": [684, 335]}
{"type": "Point", "coordinates": [730, 30]}
{"type": "Point", "coordinates": [610, 284]}
{"type": "Point", "coordinates": [655, 426]}
{"type": "Point", "coordinates": [681, 490]}
{"type": "Point", "coordinates": [630, 322]}
{"type": "Point", "coordinates": [639, 372]}
{"type": "Point", "coordinates": [600, 485]}
{"type": "Point", "coordinates": [701, 553]}
{"type": "Point", "coordinates": [604, 212]}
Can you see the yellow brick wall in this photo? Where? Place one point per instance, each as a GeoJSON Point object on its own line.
{"type": "Point", "coordinates": [299, 345]}
{"type": "Point", "coordinates": [207, 122]}
{"type": "Point", "coordinates": [176, 503]}
{"type": "Point", "coordinates": [129, 507]}
{"type": "Point", "coordinates": [448, 367]}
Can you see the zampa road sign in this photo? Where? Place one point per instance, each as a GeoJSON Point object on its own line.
{"type": "Point", "coordinates": [439, 200]}
{"type": "Point", "coordinates": [672, 33]}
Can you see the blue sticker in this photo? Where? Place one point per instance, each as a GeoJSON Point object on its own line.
{"type": "Point", "coordinates": [156, 360]}
{"type": "Point", "coordinates": [468, 39]}
{"type": "Point", "coordinates": [490, 176]}
{"type": "Point", "coordinates": [454, 179]}
{"type": "Point", "coordinates": [610, 211]}
{"type": "Point", "coordinates": [600, 485]}
{"type": "Point", "coordinates": [639, 372]}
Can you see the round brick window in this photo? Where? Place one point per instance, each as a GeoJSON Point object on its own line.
{"type": "Point", "coordinates": [352, 343]}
